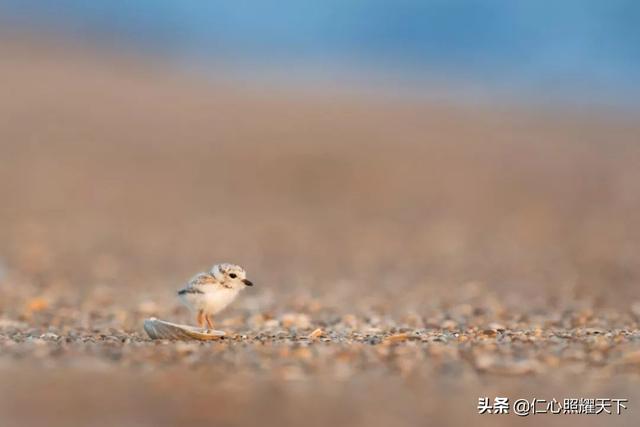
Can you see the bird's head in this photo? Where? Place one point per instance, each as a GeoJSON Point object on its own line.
{"type": "Point", "coordinates": [230, 275]}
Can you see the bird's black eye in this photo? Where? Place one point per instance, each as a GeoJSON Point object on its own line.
{"type": "Point", "coordinates": [233, 275]}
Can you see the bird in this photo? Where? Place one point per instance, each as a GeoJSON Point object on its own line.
{"type": "Point", "coordinates": [208, 293]}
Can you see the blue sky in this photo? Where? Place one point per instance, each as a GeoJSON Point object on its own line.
{"type": "Point", "coordinates": [591, 46]}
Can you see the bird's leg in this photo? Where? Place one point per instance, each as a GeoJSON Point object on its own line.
{"type": "Point", "coordinates": [200, 319]}
{"type": "Point", "coordinates": [209, 321]}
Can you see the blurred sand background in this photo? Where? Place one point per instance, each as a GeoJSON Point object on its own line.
{"type": "Point", "coordinates": [119, 179]}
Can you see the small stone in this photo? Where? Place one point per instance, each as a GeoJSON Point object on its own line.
{"type": "Point", "coordinates": [49, 336]}
{"type": "Point", "coordinates": [350, 320]}
{"type": "Point", "coordinates": [271, 324]}
{"type": "Point", "coordinates": [317, 333]}
{"type": "Point", "coordinates": [37, 304]}
{"type": "Point", "coordinates": [449, 324]}
{"type": "Point", "coordinates": [497, 326]}
{"type": "Point", "coordinates": [489, 333]}
{"type": "Point", "coordinates": [298, 320]}
{"type": "Point", "coordinates": [10, 323]}
{"type": "Point", "coordinates": [397, 338]}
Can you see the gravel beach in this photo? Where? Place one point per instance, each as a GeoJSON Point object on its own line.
{"type": "Point", "coordinates": [410, 257]}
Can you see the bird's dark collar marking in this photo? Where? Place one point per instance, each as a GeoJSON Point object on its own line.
{"type": "Point", "coordinates": [190, 291]}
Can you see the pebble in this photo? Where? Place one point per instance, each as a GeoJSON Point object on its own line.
{"type": "Point", "coordinates": [475, 339]}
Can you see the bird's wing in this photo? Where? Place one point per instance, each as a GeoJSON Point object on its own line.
{"type": "Point", "coordinates": [196, 284]}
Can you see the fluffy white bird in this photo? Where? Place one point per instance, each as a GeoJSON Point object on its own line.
{"type": "Point", "coordinates": [209, 293]}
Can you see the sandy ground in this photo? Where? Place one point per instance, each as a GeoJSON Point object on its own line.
{"type": "Point", "coordinates": [445, 253]}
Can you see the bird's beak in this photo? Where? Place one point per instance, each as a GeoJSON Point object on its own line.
{"type": "Point", "coordinates": [247, 282]}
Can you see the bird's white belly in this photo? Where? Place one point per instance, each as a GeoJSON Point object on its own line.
{"type": "Point", "coordinates": [216, 300]}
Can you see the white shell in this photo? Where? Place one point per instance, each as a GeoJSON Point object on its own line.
{"type": "Point", "coordinates": [161, 330]}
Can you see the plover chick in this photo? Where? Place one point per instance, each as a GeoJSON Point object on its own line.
{"type": "Point", "coordinates": [209, 293]}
